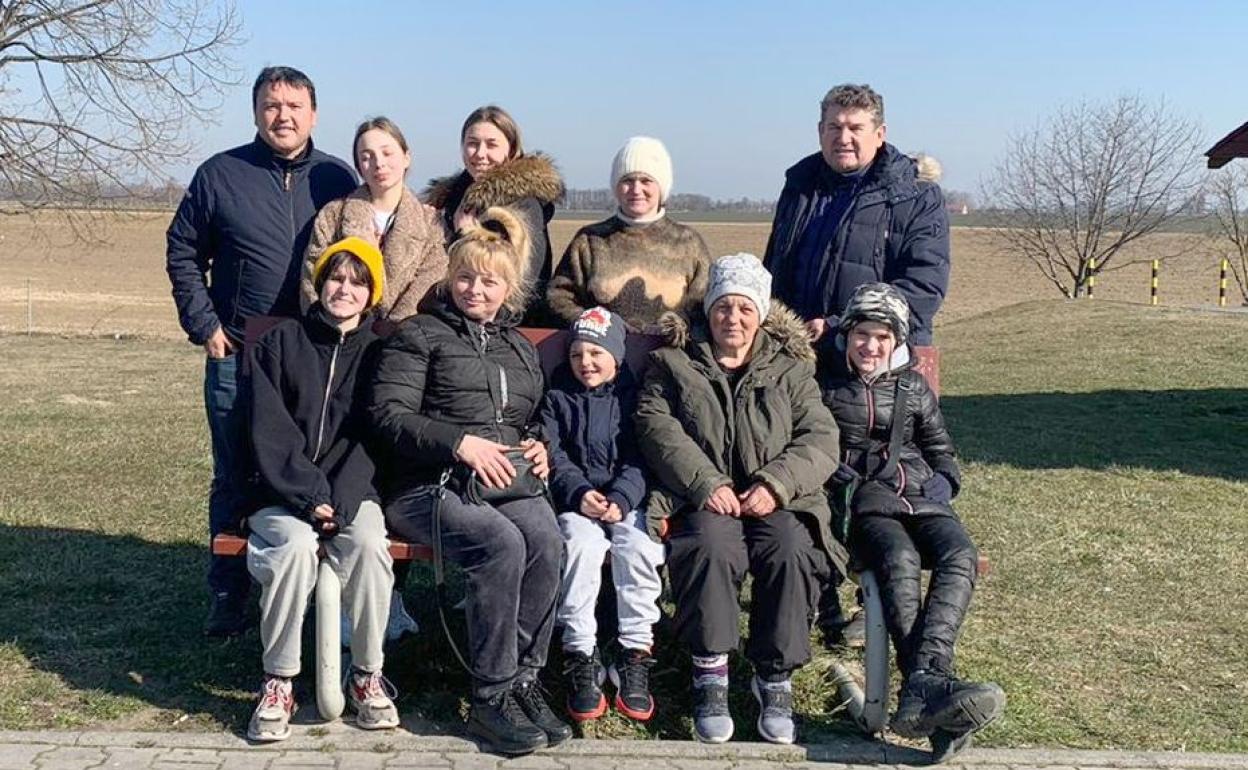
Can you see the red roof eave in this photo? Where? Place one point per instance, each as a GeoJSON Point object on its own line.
{"type": "Point", "coordinates": [1233, 145]}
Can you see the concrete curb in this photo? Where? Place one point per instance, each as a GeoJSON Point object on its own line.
{"type": "Point", "coordinates": [848, 751]}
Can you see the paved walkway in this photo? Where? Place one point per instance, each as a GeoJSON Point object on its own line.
{"type": "Point", "coordinates": [342, 747]}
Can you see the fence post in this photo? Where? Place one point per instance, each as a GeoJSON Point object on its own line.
{"type": "Point", "coordinates": [1222, 282]}
{"type": "Point", "coordinates": [1152, 293]}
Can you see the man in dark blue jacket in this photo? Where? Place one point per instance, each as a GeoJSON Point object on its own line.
{"type": "Point", "coordinates": [858, 211]}
{"type": "Point", "coordinates": [234, 250]}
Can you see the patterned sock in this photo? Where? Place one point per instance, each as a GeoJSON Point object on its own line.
{"type": "Point", "coordinates": [710, 670]}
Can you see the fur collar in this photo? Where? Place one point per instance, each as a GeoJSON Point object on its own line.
{"type": "Point", "coordinates": [781, 324]}
{"type": "Point", "coordinates": [529, 176]}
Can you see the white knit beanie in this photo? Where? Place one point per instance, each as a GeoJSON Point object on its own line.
{"type": "Point", "coordinates": [644, 155]}
{"type": "Point", "coordinates": [740, 274]}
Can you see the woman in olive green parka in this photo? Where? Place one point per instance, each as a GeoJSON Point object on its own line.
{"type": "Point", "coordinates": [733, 427]}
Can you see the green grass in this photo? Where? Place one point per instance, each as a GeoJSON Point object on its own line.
{"type": "Point", "coordinates": [1105, 452]}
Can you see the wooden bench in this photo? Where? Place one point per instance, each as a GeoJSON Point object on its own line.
{"type": "Point", "coordinates": [868, 703]}
{"type": "Point", "coordinates": [551, 347]}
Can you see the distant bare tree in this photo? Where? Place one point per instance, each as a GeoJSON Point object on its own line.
{"type": "Point", "coordinates": [97, 96]}
{"type": "Point", "coordinates": [1228, 196]}
{"type": "Point", "coordinates": [1091, 180]}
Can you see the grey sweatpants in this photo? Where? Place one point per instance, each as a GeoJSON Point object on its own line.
{"type": "Point", "coordinates": [282, 557]}
{"type": "Point", "coordinates": [635, 561]}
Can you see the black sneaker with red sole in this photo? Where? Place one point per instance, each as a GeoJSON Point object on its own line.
{"type": "Point", "coordinates": [584, 676]}
{"type": "Point", "coordinates": [630, 673]}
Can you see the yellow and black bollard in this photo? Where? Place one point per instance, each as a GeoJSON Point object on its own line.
{"type": "Point", "coordinates": [1152, 292]}
{"type": "Point", "coordinates": [1226, 263]}
{"type": "Point", "coordinates": [1091, 276]}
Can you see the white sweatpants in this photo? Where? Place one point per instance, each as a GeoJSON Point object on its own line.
{"type": "Point", "coordinates": [282, 557]}
{"type": "Point", "coordinates": [635, 561]}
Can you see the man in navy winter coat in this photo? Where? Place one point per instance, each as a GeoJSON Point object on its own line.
{"type": "Point", "coordinates": [858, 211]}
{"type": "Point", "coordinates": [234, 250]}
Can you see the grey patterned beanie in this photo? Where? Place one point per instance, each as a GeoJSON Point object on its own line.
{"type": "Point", "coordinates": [879, 302]}
{"type": "Point", "coordinates": [740, 274]}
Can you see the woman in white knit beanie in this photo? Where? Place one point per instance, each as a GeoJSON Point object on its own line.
{"type": "Point", "coordinates": [638, 263]}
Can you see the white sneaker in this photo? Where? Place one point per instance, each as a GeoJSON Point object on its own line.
{"type": "Point", "coordinates": [271, 719]}
{"type": "Point", "coordinates": [371, 696]}
{"type": "Point", "coordinates": [399, 623]}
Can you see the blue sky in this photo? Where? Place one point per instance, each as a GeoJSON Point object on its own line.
{"type": "Point", "coordinates": [733, 88]}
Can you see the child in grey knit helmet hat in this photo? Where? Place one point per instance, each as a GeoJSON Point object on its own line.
{"type": "Point", "coordinates": [902, 517]}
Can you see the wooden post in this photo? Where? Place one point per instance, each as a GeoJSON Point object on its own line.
{"type": "Point", "coordinates": [1152, 294]}
{"type": "Point", "coordinates": [1226, 263]}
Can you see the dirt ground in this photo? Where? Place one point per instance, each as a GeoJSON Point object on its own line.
{"type": "Point", "coordinates": [52, 281]}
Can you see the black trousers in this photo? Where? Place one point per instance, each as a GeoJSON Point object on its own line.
{"type": "Point", "coordinates": [896, 549]}
{"type": "Point", "coordinates": [512, 557]}
{"type": "Point", "coordinates": [709, 558]}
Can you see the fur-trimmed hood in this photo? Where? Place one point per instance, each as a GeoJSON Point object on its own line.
{"type": "Point", "coordinates": [927, 168]}
{"type": "Point", "coordinates": [782, 325]}
{"type": "Point", "coordinates": [529, 176]}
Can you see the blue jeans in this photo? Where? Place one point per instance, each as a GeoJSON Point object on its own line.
{"type": "Point", "coordinates": [226, 574]}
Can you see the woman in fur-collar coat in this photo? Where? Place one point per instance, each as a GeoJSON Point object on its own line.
{"type": "Point", "coordinates": [384, 212]}
{"type": "Point", "coordinates": [497, 172]}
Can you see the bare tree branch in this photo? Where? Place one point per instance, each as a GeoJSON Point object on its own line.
{"type": "Point", "coordinates": [98, 95]}
{"type": "Point", "coordinates": [1091, 180]}
{"type": "Point", "coordinates": [1229, 221]}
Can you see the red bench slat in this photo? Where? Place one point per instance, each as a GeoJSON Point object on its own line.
{"type": "Point", "coordinates": [233, 545]}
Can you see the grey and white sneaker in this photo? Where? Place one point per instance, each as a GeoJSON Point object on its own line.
{"type": "Point", "coordinates": [712, 722]}
{"type": "Point", "coordinates": [372, 699]}
{"type": "Point", "coordinates": [775, 715]}
{"type": "Point", "coordinates": [271, 720]}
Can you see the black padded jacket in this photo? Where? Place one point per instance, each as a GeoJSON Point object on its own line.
{"type": "Point", "coordinates": [442, 376]}
{"type": "Point", "coordinates": [864, 413]}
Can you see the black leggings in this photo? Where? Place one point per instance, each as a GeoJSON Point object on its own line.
{"type": "Point", "coordinates": [710, 556]}
{"type": "Point", "coordinates": [896, 549]}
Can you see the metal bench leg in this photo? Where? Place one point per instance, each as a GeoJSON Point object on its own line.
{"type": "Point", "coordinates": [329, 698]}
{"type": "Point", "coordinates": [868, 704]}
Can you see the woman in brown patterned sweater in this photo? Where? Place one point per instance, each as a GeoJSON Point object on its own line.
{"type": "Point", "coordinates": [384, 212]}
{"type": "Point", "coordinates": [639, 263]}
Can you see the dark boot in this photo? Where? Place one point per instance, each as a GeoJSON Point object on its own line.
{"type": "Point", "coordinates": [630, 673]}
{"type": "Point", "coordinates": [504, 727]}
{"type": "Point", "coordinates": [528, 693]}
{"type": "Point", "coordinates": [947, 745]}
{"type": "Point", "coordinates": [584, 675]}
{"type": "Point", "coordinates": [841, 632]}
{"type": "Point", "coordinates": [932, 700]}
{"type": "Point", "coordinates": [228, 616]}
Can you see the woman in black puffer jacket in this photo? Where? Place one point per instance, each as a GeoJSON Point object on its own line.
{"type": "Point", "coordinates": [903, 520]}
{"type": "Point", "coordinates": [458, 384]}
